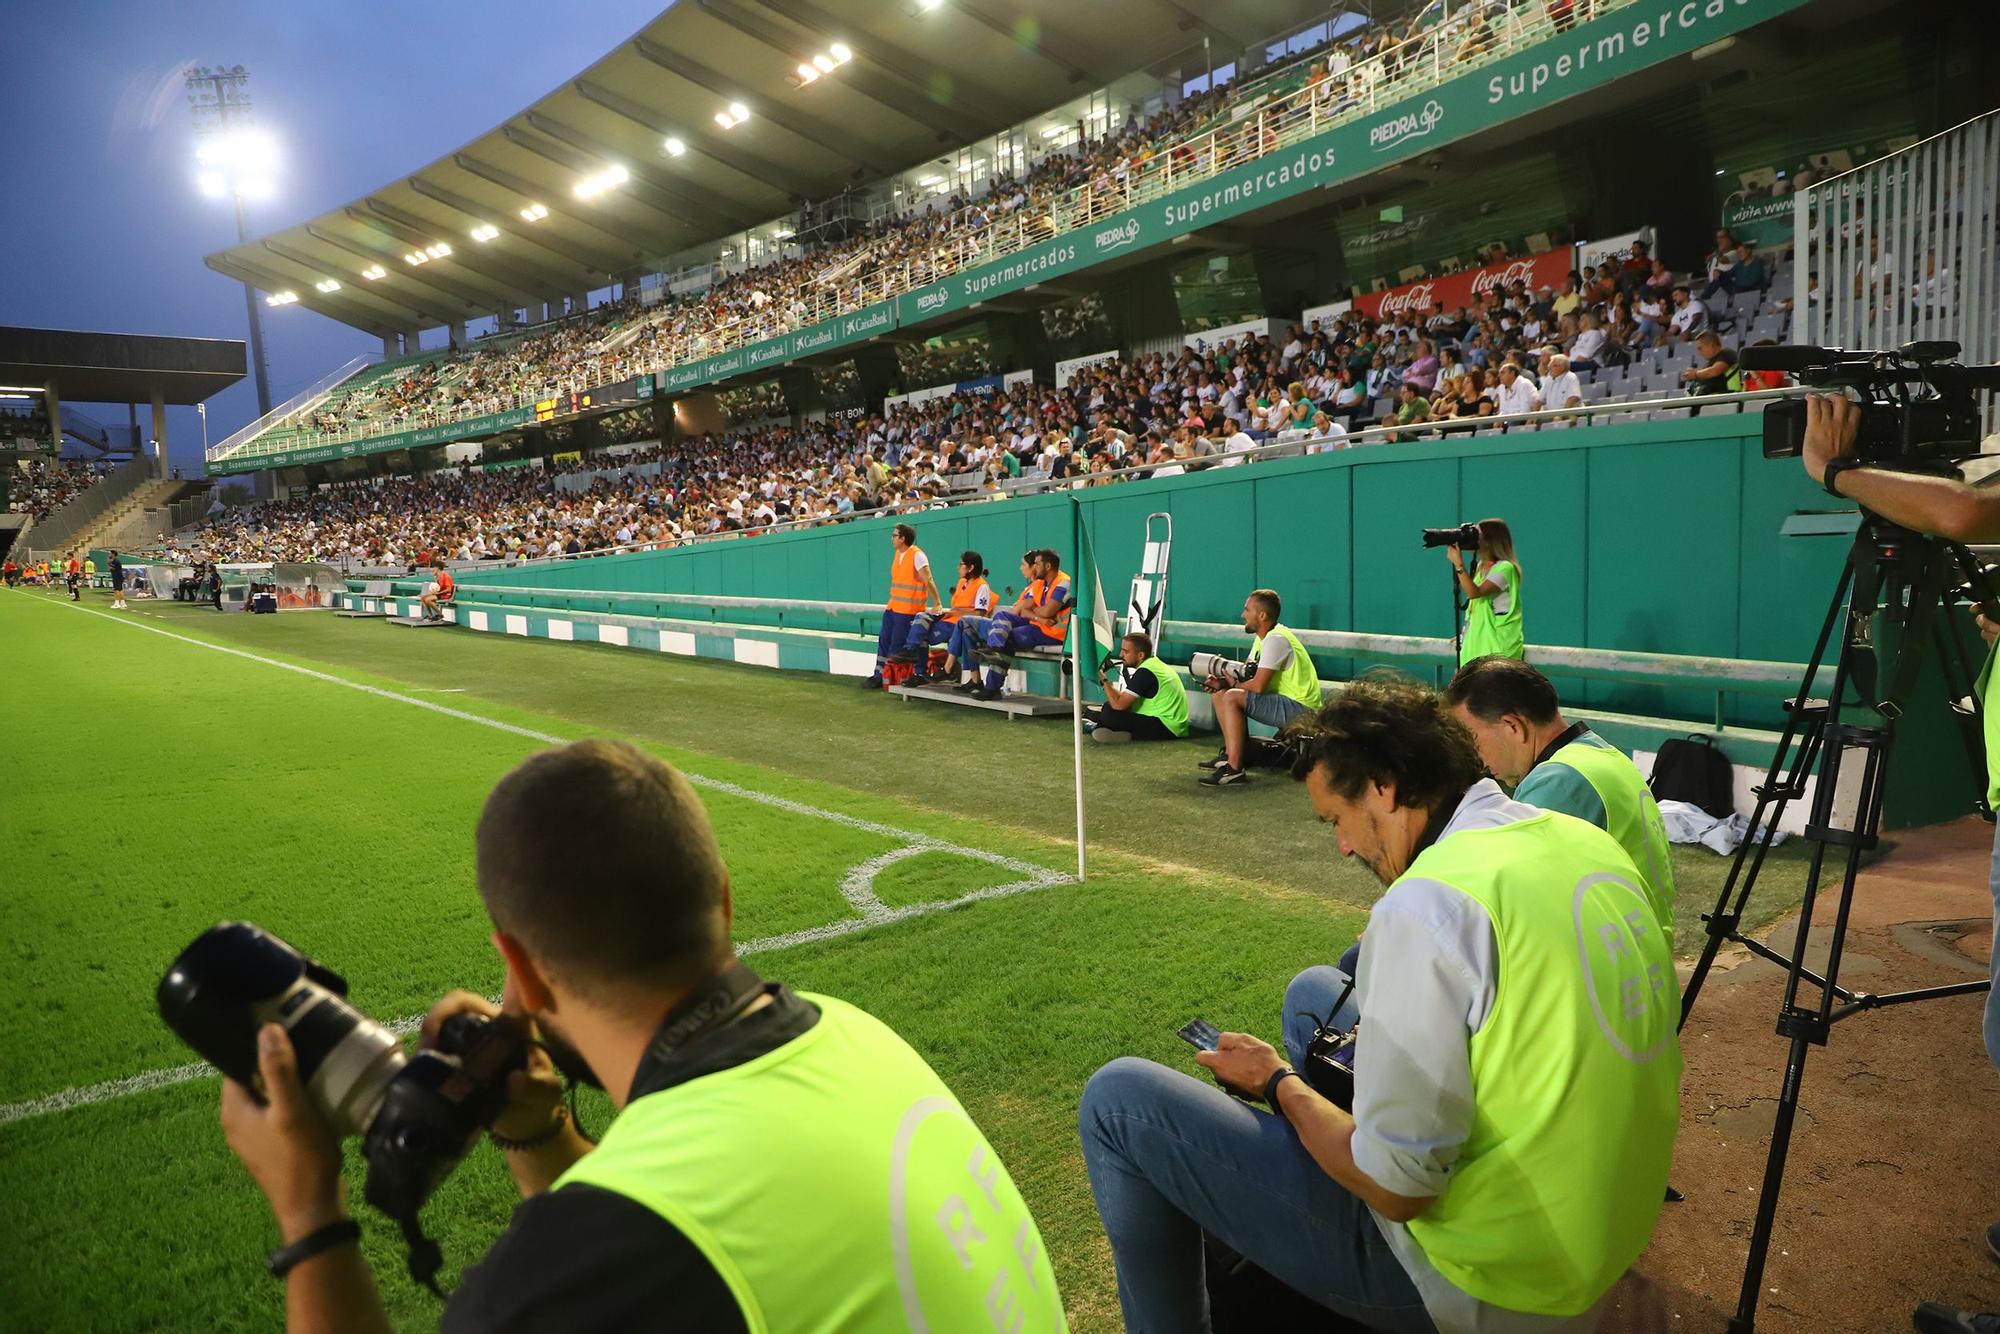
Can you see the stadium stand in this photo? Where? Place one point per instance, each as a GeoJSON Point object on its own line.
{"type": "Point", "coordinates": [41, 487]}
{"type": "Point", "coordinates": [1149, 417]}
{"type": "Point", "coordinates": [1067, 189]}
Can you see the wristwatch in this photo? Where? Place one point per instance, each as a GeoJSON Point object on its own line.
{"type": "Point", "coordinates": [1835, 467]}
{"type": "Point", "coordinates": [1271, 1087]}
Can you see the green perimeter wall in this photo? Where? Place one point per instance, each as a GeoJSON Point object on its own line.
{"type": "Point", "coordinates": [1655, 536]}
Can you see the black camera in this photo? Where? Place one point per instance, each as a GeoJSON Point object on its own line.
{"type": "Point", "coordinates": [416, 1115]}
{"type": "Point", "coordinates": [1465, 537]}
{"type": "Point", "coordinates": [1917, 403]}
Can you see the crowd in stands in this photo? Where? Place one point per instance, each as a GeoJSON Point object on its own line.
{"type": "Point", "coordinates": [27, 426]}
{"type": "Point", "coordinates": [1156, 416]}
{"type": "Point", "coordinates": [41, 487]}
{"type": "Point", "coordinates": [1068, 188]}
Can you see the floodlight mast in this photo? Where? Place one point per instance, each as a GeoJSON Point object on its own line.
{"type": "Point", "coordinates": [234, 158]}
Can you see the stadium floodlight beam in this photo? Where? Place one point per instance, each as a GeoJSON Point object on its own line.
{"type": "Point", "coordinates": [675, 146]}
{"type": "Point", "coordinates": [534, 212]}
{"type": "Point", "coordinates": [484, 232]}
{"type": "Point", "coordinates": [235, 161]}
{"type": "Point", "coordinates": [374, 271]}
{"type": "Point", "coordinates": [732, 115]}
{"type": "Point", "coordinates": [327, 285]}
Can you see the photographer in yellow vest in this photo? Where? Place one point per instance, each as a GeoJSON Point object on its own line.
{"type": "Point", "coordinates": [1147, 701]}
{"type": "Point", "coordinates": [1492, 590]}
{"type": "Point", "coordinates": [1506, 1154]}
{"type": "Point", "coordinates": [1513, 714]}
{"type": "Point", "coordinates": [780, 1162]}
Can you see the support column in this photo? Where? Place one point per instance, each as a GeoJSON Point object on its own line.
{"type": "Point", "coordinates": [390, 348]}
{"type": "Point", "coordinates": [159, 431]}
{"type": "Point", "coordinates": [132, 419]}
{"type": "Point", "coordinates": [52, 402]}
{"type": "Point", "coordinates": [412, 342]}
{"type": "Point", "coordinates": [579, 302]}
{"type": "Point", "coordinates": [457, 332]}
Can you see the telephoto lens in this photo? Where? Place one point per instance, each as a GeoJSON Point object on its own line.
{"type": "Point", "coordinates": [1465, 537]}
{"type": "Point", "coordinates": [235, 978]}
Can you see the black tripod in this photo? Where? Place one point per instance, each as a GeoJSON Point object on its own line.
{"type": "Point", "coordinates": [1909, 578]}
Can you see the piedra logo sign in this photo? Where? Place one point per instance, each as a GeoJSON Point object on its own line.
{"type": "Point", "coordinates": [1415, 125]}
{"type": "Point", "coordinates": [932, 300]}
{"type": "Point", "coordinates": [1116, 238]}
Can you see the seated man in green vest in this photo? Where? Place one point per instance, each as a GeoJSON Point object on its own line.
{"type": "Point", "coordinates": [1512, 712]}
{"type": "Point", "coordinates": [1506, 1156]}
{"type": "Point", "coordinates": [1283, 685]}
{"type": "Point", "coordinates": [780, 1161]}
{"type": "Point", "coordinates": [1147, 702]}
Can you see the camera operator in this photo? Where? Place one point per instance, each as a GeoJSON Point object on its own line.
{"type": "Point", "coordinates": [1516, 720]}
{"type": "Point", "coordinates": [1505, 1183]}
{"type": "Point", "coordinates": [1146, 703]}
{"type": "Point", "coordinates": [765, 1155]}
{"type": "Point", "coordinates": [1945, 507]}
{"type": "Point", "coordinates": [1283, 684]}
{"type": "Point", "coordinates": [1492, 592]}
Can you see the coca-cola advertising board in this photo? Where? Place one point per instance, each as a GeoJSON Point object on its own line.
{"type": "Point", "coordinates": [1453, 290]}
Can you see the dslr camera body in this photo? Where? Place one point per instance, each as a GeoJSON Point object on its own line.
{"type": "Point", "coordinates": [1918, 409]}
{"type": "Point", "coordinates": [416, 1115]}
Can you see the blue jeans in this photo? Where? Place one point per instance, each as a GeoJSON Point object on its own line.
{"type": "Point", "coordinates": [1008, 631]}
{"type": "Point", "coordinates": [967, 635]}
{"type": "Point", "coordinates": [929, 628]}
{"type": "Point", "coordinates": [1170, 1155]}
{"type": "Point", "coordinates": [895, 628]}
{"type": "Point", "coordinates": [1993, 996]}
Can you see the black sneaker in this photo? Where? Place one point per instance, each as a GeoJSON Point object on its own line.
{"type": "Point", "coordinates": [995, 657]}
{"type": "Point", "coordinates": [905, 655]}
{"type": "Point", "coordinates": [872, 683]}
{"type": "Point", "coordinates": [1223, 776]}
{"type": "Point", "coordinates": [966, 687]}
{"type": "Point", "coordinates": [918, 679]}
{"type": "Point", "coordinates": [983, 692]}
{"type": "Point", "coordinates": [1216, 761]}
{"type": "Point", "coordinates": [1937, 1318]}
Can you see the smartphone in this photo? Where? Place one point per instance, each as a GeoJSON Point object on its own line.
{"type": "Point", "coordinates": [1199, 1033]}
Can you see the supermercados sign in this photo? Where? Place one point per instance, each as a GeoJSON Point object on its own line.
{"type": "Point", "coordinates": [1588, 56]}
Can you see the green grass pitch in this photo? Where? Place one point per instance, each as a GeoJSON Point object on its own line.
{"type": "Point", "coordinates": [157, 786]}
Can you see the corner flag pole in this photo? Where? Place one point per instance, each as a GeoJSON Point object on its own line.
{"type": "Point", "coordinates": [1077, 624]}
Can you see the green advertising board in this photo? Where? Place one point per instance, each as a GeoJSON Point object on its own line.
{"type": "Point", "coordinates": [1588, 56]}
{"type": "Point", "coordinates": [868, 322]}
{"type": "Point", "coordinates": [1762, 221]}
{"type": "Point", "coordinates": [469, 429]}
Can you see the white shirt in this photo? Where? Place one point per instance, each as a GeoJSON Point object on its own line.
{"type": "Point", "coordinates": [1520, 396]}
{"type": "Point", "coordinates": [1558, 390]}
{"type": "Point", "coordinates": [1237, 444]}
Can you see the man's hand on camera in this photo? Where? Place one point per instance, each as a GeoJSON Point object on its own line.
{"type": "Point", "coordinates": [1242, 1062]}
{"type": "Point", "coordinates": [285, 1144]}
{"type": "Point", "coordinates": [534, 1095]}
{"type": "Point", "coordinates": [1831, 423]}
{"type": "Point", "coordinates": [1988, 630]}
{"type": "Point", "coordinates": [1214, 684]}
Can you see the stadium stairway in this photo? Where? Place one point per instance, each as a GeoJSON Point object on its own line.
{"type": "Point", "coordinates": [140, 519]}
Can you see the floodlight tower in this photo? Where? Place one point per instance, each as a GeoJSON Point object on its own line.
{"type": "Point", "coordinates": [234, 159]}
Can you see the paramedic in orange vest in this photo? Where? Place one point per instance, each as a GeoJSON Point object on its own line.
{"type": "Point", "coordinates": [438, 592]}
{"type": "Point", "coordinates": [1040, 619]}
{"type": "Point", "coordinates": [912, 591]}
{"type": "Point", "coordinates": [972, 597]}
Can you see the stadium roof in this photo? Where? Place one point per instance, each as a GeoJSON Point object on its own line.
{"type": "Point", "coordinates": [89, 367]}
{"type": "Point", "coordinates": [921, 80]}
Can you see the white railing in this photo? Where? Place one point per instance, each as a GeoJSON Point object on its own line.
{"type": "Point", "coordinates": [1455, 45]}
{"type": "Point", "coordinates": [299, 402]}
{"type": "Point", "coordinates": [1907, 248]}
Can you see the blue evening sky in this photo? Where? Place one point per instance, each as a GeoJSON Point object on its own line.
{"type": "Point", "coordinates": [104, 228]}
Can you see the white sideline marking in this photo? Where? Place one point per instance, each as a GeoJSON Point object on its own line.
{"type": "Point", "coordinates": [857, 886]}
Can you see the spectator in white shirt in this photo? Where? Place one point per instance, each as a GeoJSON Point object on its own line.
{"type": "Point", "coordinates": [1239, 441]}
{"type": "Point", "coordinates": [1586, 348]}
{"type": "Point", "coordinates": [1518, 391]}
{"type": "Point", "coordinates": [1560, 387]}
{"type": "Point", "coordinates": [1690, 317]}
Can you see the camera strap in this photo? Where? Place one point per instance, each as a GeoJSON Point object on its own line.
{"type": "Point", "coordinates": [714, 1007]}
